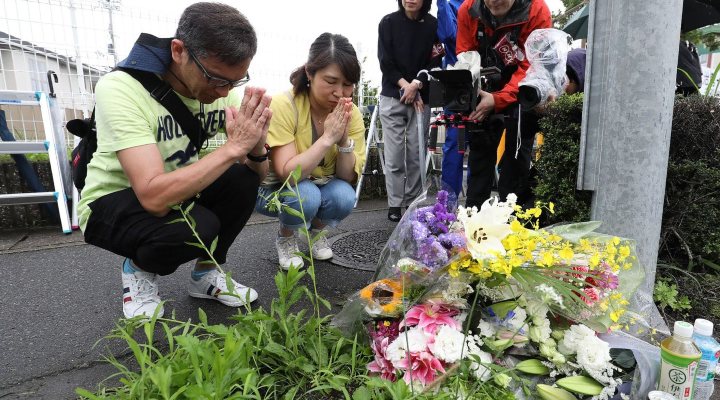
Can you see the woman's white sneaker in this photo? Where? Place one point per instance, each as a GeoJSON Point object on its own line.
{"type": "Point", "coordinates": [287, 249]}
{"type": "Point", "coordinates": [321, 248]}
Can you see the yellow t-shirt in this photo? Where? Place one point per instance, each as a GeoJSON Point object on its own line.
{"type": "Point", "coordinates": [127, 116]}
{"type": "Point", "coordinates": [290, 124]}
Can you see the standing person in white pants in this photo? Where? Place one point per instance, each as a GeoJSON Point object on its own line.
{"type": "Point", "coordinates": [407, 44]}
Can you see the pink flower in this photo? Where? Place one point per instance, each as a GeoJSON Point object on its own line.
{"type": "Point", "coordinates": [384, 329]}
{"type": "Point", "coordinates": [431, 316]}
{"type": "Point", "coordinates": [381, 365]}
{"type": "Point", "coordinates": [420, 367]}
{"type": "Point", "coordinates": [583, 269]}
{"type": "Point", "coordinates": [590, 296]}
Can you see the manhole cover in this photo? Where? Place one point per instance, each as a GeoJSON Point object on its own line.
{"type": "Point", "coordinates": [359, 249]}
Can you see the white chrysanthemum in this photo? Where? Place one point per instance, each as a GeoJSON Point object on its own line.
{"type": "Point", "coordinates": [517, 321]}
{"type": "Point", "coordinates": [593, 354]}
{"type": "Point", "coordinates": [480, 371]}
{"type": "Point", "coordinates": [406, 264]}
{"type": "Point", "coordinates": [540, 330]}
{"type": "Point", "coordinates": [448, 344]}
{"type": "Point", "coordinates": [537, 310]}
{"type": "Point", "coordinates": [486, 329]}
{"type": "Point", "coordinates": [549, 295]}
{"type": "Point", "coordinates": [573, 336]}
{"type": "Point", "coordinates": [413, 340]}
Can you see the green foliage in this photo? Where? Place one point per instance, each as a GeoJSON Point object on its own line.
{"type": "Point", "coordinates": [265, 354]}
{"type": "Point", "coordinates": [708, 38]}
{"type": "Point", "coordinates": [558, 162]}
{"type": "Point", "coordinates": [666, 295]}
{"type": "Point", "coordinates": [571, 6]}
{"type": "Point", "coordinates": [691, 213]}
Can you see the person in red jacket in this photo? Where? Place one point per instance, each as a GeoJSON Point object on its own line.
{"type": "Point", "coordinates": [497, 30]}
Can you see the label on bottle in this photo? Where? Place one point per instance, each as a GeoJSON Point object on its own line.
{"type": "Point", "coordinates": [708, 363]}
{"type": "Point", "coordinates": [677, 374]}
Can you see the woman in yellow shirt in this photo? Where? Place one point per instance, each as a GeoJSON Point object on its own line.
{"type": "Point", "coordinates": [315, 125]}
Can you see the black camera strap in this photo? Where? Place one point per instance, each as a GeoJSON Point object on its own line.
{"type": "Point", "coordinates": [162, 92]}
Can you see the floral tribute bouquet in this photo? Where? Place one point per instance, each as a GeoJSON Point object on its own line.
{"type": "Point", "coordinates": [489, 298]}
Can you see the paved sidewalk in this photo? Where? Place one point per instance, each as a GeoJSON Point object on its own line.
{"type": "Point", "coordinates": [61, 297]}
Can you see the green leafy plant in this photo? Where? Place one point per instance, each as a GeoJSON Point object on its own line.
{"type": "Point", "coordinates": [666, 295]}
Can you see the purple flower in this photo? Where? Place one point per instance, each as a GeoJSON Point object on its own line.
{"type": "Point", "coordinates": [419, 231]}
{"type": "Point", "coordinates": [452, 240]}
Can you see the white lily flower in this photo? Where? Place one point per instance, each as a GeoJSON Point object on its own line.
{"type": "Point", "coordinates": [485, 229]}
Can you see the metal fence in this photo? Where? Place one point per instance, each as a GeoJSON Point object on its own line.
{"type": "Point", "coordinates": [74, 42]}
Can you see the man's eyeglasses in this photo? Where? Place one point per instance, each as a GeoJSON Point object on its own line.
{"type": "Point", "coordinates": [215, 81]}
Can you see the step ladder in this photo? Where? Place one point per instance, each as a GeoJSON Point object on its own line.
{"type": "Point", "coordinates": [372, 140]}
{"type": "Point", "coordinates": [49, 146]}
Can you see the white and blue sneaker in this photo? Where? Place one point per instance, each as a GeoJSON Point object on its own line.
{"type": "Point", "coordinates": [140, 295]}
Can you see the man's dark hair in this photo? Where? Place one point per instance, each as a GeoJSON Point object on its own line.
{"type": "Point", "coordinates": [327, 49]}
{"type": "Point", "coordinates": [423, 10]}
{"type": "Point", "coordinates": [217, 30]}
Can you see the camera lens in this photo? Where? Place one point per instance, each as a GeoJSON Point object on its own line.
{"type": "Point", "coordinates": [463, 99]}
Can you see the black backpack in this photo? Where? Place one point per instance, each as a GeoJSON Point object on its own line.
{"type": "Point", "coordinates": [160, 91]}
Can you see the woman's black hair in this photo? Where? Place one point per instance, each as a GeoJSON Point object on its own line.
{"type": "Point", "coordinates": [327, 49]}
{"type": "Point", "coordinates": [423, 10]}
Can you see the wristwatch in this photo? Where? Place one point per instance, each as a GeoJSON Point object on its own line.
{"type": "Point", "coordinates": [261, 157]}
{"type": "Point", "coordinates": [348, 149]}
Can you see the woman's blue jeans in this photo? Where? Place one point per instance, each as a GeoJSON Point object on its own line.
{"type": "Point", "coordinates": [330, 203]}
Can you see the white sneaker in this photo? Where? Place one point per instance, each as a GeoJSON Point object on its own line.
{"type": "Point", "coordinates": [287, 249]}
{"type": "Point", "coordinates": [212, 285]}
{"type": "Point", "coordinates": [321, 248]}
{"type": "Point", "coordinates": [140, 295]}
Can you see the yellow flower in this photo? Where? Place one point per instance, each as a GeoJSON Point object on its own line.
{"type": "Point", "coordinates": [516, 226]}
{"type": "Point", "coordinates": [551, 207]}
{"type": "Point", "coordinates": [383, 296]}
{"type": "Point", "coordinates": [615, 240]}
{"type": "Point", "coordinates": [624, 251]}
{"type": "Point", "coordinates": [516, 261]}
{"type": "Point", "coordinates": [547, 258]}
{"type": "Point", "coordinates": [566, 253]}
{"type": "Point", "coordinates": [595, 260]}
{"type": "Point", "coordinates": [610, 249]}
{"type": "Point", "coordinates": [511, 242]}
{"type": "Point", "coordinates": [585, 245]}
{"type": "Point", "coordinates": [615, 315]}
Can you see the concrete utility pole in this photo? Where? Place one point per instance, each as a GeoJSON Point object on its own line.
{"type": "Point", "coordinates": [627, 118]}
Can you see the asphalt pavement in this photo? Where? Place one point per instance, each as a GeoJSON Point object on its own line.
{"type": "Point", "coordinates": [61, 298]}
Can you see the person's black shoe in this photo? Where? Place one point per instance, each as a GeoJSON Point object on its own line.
{"type": "Point", "coordinates": [394, 214]}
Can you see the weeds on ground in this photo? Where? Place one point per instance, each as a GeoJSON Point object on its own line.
{"type": "Point", "coordinates": [265, 354]}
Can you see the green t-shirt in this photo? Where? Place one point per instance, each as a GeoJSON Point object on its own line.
{"type": "Point", "coordinates": [127, 116]}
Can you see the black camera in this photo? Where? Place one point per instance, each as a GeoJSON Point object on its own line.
{"type": "Point", "coordinates": [453, 90]}
{"type": "Point", "coordinates": [457, 92]}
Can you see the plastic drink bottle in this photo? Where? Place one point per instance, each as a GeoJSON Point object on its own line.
{"type": "Point", "coordinates": [710, 349]}
{"type": "Point", "coordinates": [679, 359]}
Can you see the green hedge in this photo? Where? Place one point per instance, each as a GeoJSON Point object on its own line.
{"type": "Point", "coordinates": [691, 212]}
{"type": "Point", "coordinates": [558, 162]}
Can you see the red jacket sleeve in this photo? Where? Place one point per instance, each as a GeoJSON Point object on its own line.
{"type": "Point", "coordinates": [539, 18]}
{"type": "Point", "coordinates": [466, 29]}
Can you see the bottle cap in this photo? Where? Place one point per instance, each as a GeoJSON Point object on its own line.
{"type": "Point", "coordinates": [683, 329]}
{"type": "Point", "coordinates": [703, 327]}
